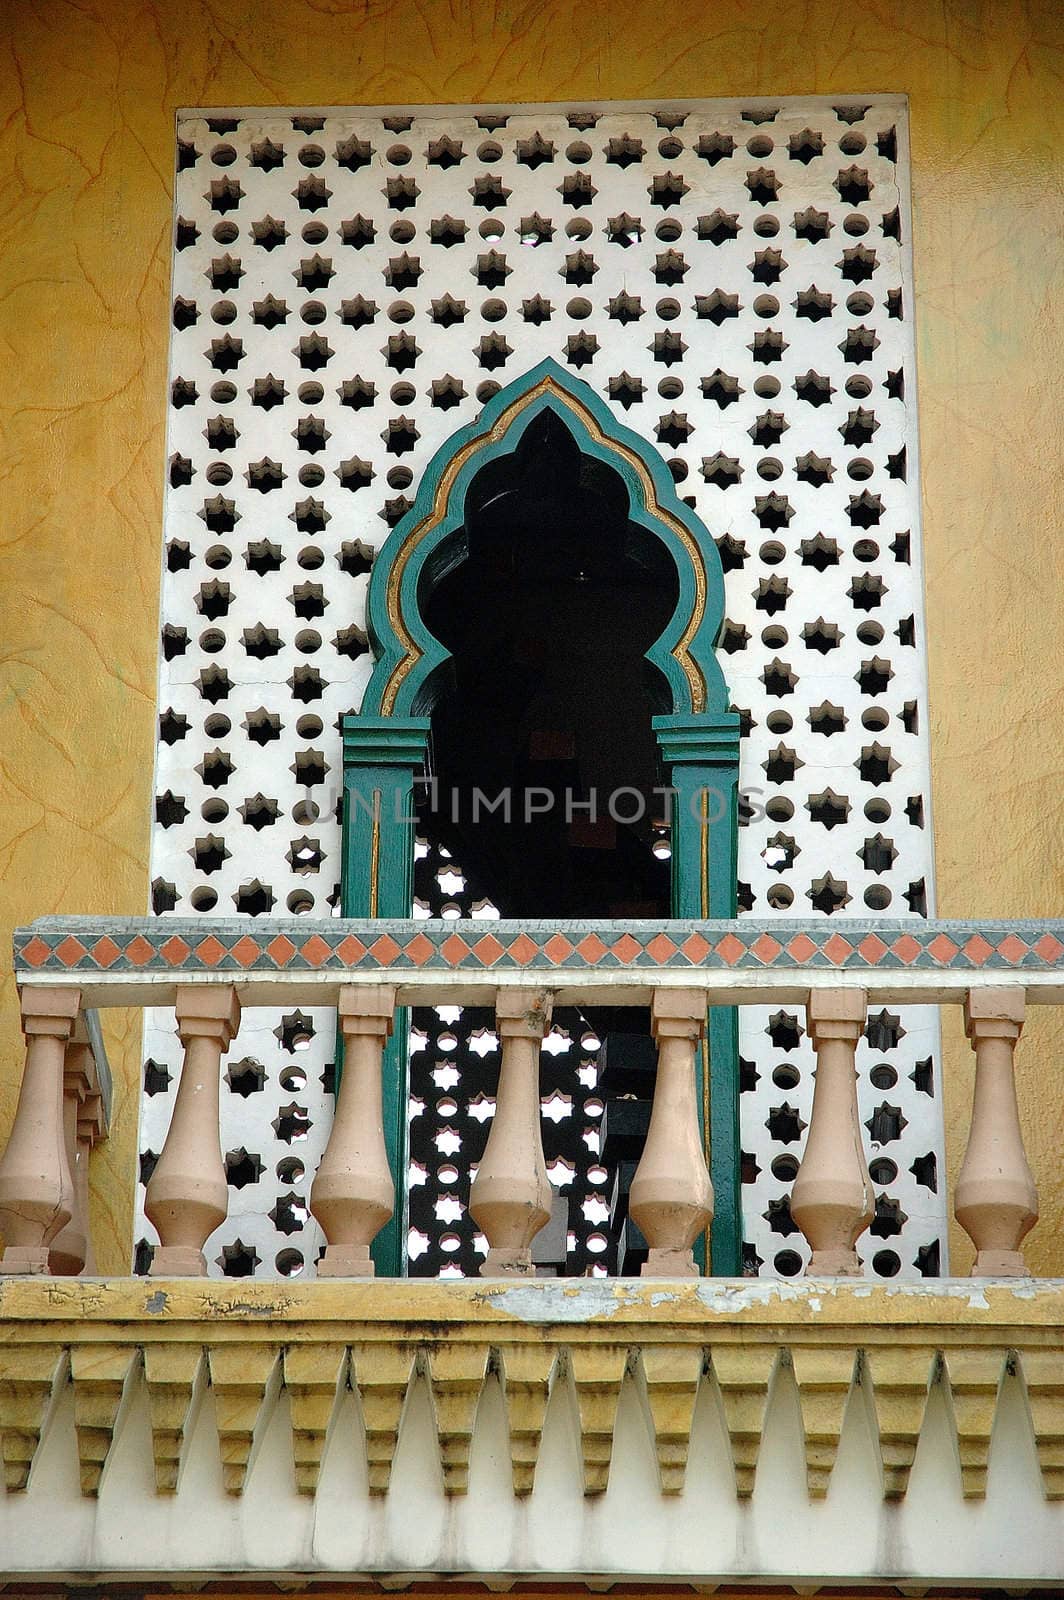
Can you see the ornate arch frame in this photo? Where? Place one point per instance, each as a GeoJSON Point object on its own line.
{"type": "Point", "coordinates": [698, 736]}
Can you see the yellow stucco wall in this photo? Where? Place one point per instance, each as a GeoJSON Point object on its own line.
{"type": "Point", "coordinates": [86, 151]}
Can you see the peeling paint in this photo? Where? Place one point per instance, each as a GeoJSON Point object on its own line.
{"type": "Point", "coordinates": [434, 1310]}
{"type": "Point", "coordinates": [593, 1300]}
{"type": "Point", "coordinates": [585, 1301]}
{"type": "Point", "coordinates": [247, 1308]}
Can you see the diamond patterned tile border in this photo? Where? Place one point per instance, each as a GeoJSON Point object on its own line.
{"type": "Point", "coordinates": [118, 945]}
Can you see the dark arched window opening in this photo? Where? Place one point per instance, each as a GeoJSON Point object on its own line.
{"type": "Point", "coordinates": [544, 766]}
{"type": "Point", "coordinates": [548, 620]}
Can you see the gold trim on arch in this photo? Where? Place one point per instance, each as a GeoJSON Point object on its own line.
{"type": "Point", "coordinates": [412, 654]}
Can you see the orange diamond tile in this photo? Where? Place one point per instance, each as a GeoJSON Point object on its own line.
{"type": "Point", "coordinates": [105, 952]}
{"type": "Point", "coordinates": [978, 949]}
{"type": "Point", "coordinates": [316, 950]}
{"type": "Point", "coordinates": [384, 950]}
{"type": "Point", "coordinates": [627, 948]}
{"type": "Point", "coordinates": [523, 949]}
{"type": "Point", "coordinates": [906, 948]}
{"type": "Point", "coordinates": [766, 948]}
{"type": "Point", "coordinates": [454, 950]}
{"type": "Point", "coordinates": [487, 950]}
{"type": "Point", "coordinates": [174, 952]}
{"type": "Point", "coordinates": [837, 949]}
{"type": "Point", "coordinates": [420, 949]}
{"type": "Point", "coordinates": [245, 951]}
{"type": "Point", "coordinates": [36, 953]}
{"type": "Point", "coordinates": [140, 952]}
{"type": "Point", "coordinates": [70, 950]}
{"type": "Point", "coordinates": [1012, 948]}
{"type": "Point", "coordinates": [661, 949]}
{"type": "Point", "coordinates": [350, 950]}
{"type": "Point", "coordinates": [801, 947]}
{"type": "Point", "coordinates": [872, 948]}
{"type": "Point", "coordinates": [695, 948]}
{"type": "Point", "coordinates": [1049, 948]}
{"type": "Point", "coordinates": [942, 948]}
{"type": "Point", "coordinates": [730, 949]}
{"type": "Point", "coordinates": [557, 948]}
{"type": "Point", "coordinates": [210, 951]}
{"type": "Point", "coordinates": [281, 950]}
{"type": "Point", "coordinates": [592, 949]}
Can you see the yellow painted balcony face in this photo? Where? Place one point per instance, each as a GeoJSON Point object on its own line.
{"type": "Point", "coordinates": [585, 1430]}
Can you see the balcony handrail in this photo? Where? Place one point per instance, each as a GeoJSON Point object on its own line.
{"type": "Point", "coordinates": [115, 961]}
{"type": "Point", "coordinates": [211, 970]}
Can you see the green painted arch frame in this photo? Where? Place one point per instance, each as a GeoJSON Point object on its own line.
{"type": "Point", "coordinates": [406, 677]}
{"type": "Point", "coordinates": [698, 736]}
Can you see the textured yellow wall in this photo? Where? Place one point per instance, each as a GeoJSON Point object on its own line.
{"type": "Point", "coordinates": [87, 97]}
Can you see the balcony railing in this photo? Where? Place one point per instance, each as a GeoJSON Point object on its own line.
{"type": "Point", "coordinates": [67, 967]}
{"type": "Point", "coordinates": [64, 1111]}
{"type": "Point", "coordinates": [694, 1431]}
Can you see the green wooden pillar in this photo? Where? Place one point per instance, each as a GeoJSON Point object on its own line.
{"type": "Point", "coordinates": [382, 756]}
{"type": "Point", "coordinates": [701, 759]}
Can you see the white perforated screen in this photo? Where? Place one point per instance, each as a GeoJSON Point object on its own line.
{"type": "Point", "coordinates": [349, 288]}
